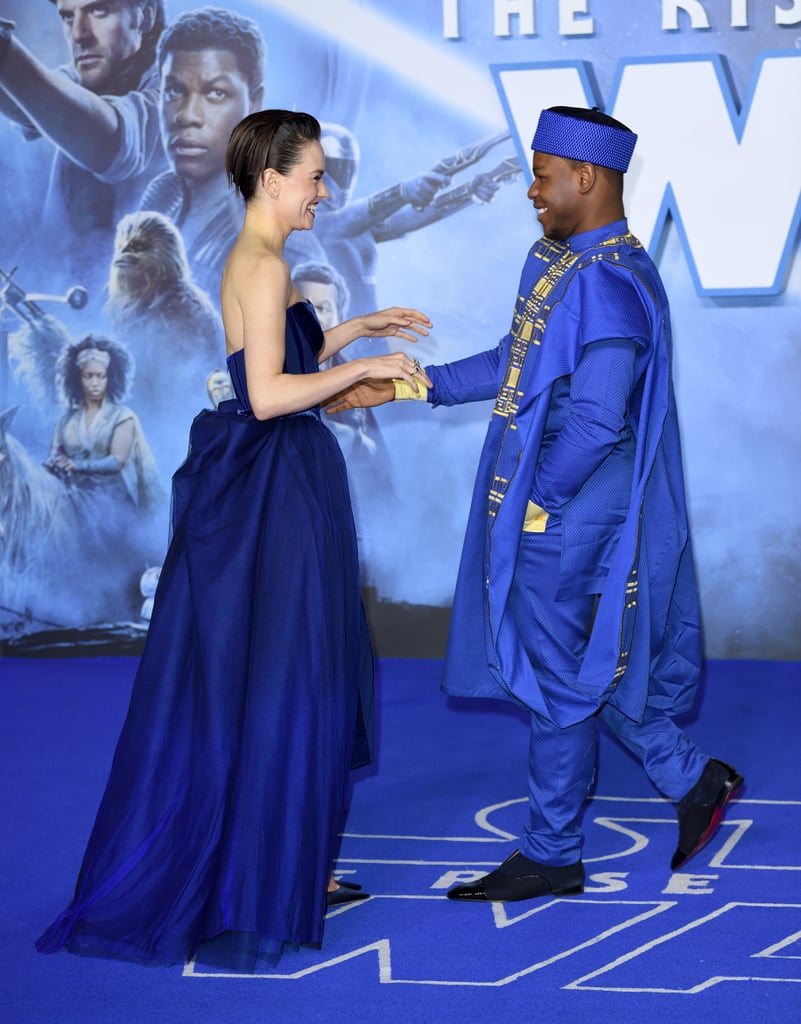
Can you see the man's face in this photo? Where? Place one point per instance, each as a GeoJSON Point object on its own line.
{"type": "Point", "coordinates": [556, 195]}
{"type": "Point", "coordinates": [324, 299]}
{"type": "Point", "coordinates": [102, 35]}
{"type": "Point", "coordinates": [204, 95]}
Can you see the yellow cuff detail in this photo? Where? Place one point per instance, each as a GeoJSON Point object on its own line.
{"type": "Point", "coordinates": [535, 520]}
{"type": "Point", "coordinates": [404, 390]}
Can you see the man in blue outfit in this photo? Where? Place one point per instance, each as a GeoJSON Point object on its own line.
{"type": "Point", "coordinates": [576, 594]}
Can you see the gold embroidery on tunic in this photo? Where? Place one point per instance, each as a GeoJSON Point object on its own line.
{"type": "Point", "coordinates": [528, 327]}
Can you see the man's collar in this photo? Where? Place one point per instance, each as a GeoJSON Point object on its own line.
{"type": "Point", "coordinates": [586, 239]}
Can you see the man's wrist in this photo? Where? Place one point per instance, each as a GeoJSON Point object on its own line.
{"type": "Point", "coordinates": [404, 390]}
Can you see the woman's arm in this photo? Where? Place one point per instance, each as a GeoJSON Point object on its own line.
{"type": "Point", "coordinates": [473, 379]}
{"type": "Point", "coordinates": [395, 322]}
{"type": "Point", "coordinates": [262, 289]}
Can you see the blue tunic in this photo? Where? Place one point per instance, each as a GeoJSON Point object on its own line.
{"type": "Point", "coordinates": [644, 648]}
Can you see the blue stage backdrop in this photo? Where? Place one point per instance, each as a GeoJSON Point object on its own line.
{"type": "Point", "coordinates": [116, 220]}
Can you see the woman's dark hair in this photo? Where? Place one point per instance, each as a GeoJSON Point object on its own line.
{"type": "Point", "coordinates": [268, 138]}
{"type": "Point", "coordinates": [120, 369]}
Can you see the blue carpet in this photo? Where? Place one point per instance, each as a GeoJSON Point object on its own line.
{"type": "Point", "coordinates": [720, 942]}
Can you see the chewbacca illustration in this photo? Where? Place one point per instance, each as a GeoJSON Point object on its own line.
{"type": "Point", "coordinates": [169, 325]}
{"type": "Point", "coordinates": [150, 282]}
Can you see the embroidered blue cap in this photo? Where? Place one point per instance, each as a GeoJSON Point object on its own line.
{"type": "Point", "coordinates": [578, 134]}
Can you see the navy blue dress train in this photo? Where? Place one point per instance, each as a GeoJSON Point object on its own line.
{"type": "Point", "coordinates": [219, 824]}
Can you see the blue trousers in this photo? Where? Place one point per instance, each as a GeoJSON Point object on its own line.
{"type": "Point", "coordinates": [562, 761]}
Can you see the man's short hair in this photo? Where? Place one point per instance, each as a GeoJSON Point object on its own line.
{"type": "Point", "coordinates": [324, 273]}
{"type": "Point", "coordinates": [212, 28]}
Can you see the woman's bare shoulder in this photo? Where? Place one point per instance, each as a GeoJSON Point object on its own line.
{"type": "Point", "coordinates": [250, 270]}
{"type": "Point", "coordinates": [249, 257]}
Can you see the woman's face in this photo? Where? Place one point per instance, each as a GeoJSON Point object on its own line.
{"type": "Point", "coordinates": [301, 190]}
{"type": "Point", "coordinates": [94, 381]}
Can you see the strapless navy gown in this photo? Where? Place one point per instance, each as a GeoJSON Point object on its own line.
{"type": "Point", "coordinates": [253, 698]}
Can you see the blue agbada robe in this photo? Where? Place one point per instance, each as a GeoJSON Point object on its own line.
{"type": "Point", "coordinates": [644, 648]}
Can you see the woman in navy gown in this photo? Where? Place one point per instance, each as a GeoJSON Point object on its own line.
{"type": "Point", "coordinates": [217, 833]}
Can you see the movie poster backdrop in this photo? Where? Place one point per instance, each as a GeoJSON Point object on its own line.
{"type": "Point", "coordinates": [115, 221]}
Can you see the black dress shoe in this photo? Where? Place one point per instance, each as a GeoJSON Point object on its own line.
{"type": "Point", "coordinates": [345, 894]}
{"type": "Point", "coordinates": [519, 878]}
{"type": "Point", "coordinates": [700, 812]}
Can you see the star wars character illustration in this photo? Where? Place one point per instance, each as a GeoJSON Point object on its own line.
{"type": "Point", "coordinates": [98, 445]}
{"type": "Point", "coordinates": [38, 528]}
{"type": "Point", "coordinates": [211, 63]}
{"type": "Point", "coordinates": [351, 229]}
{"type": "Point", "coordinates": [219, 387]}
{"type": "Point", "coordinates": [63, 522]}
{"type": "Point", "coordinates": [170, 325]}
{"type": "Point", "coordinates": [357, 431]}
{"type": "Point", "coordinates": [100, 112]}
{"type": "Point", "coordinates": [148, 582]}
{"type": "Point", "coordinates": [31, 341]}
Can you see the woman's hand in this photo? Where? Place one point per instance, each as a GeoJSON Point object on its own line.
{"type": "Point", "coordinates": [395, 366]}
{"type": "Point", "coordinates": [377, 386]}
{"type": "Point", "coordinates": [395, 322]}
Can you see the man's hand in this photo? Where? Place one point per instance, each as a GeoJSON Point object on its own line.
{"type": "Point", "coordinates": [363, 395]}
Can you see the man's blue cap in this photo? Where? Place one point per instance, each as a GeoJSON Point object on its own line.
{"type": "Point", "coordinates": [584, 138]}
